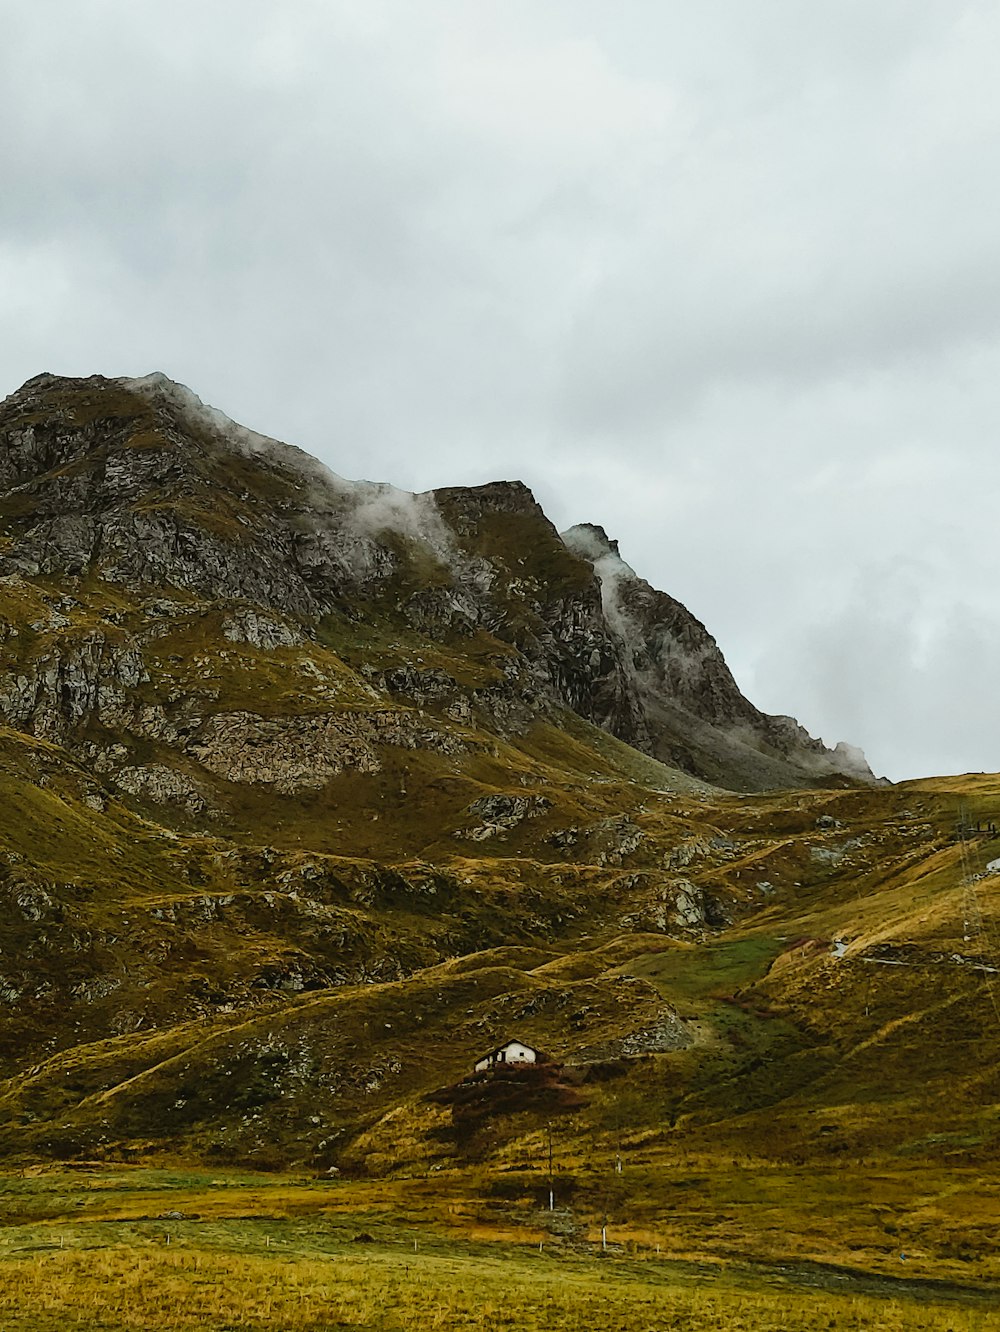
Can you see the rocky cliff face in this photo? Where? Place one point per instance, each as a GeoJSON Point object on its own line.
{"type": "Point", "coordinates": [695, 715]}
{"type": "Point", "coordinates": [184, 600]}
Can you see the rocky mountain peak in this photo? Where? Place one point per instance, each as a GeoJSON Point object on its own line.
{"type": "Point", "coordinates": [590, 541]}
{"type": "Point", "coordinates": [136, 491]}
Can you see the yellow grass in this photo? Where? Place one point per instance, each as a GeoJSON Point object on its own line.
{"type": "Point", "coordinates": [177, 1290]}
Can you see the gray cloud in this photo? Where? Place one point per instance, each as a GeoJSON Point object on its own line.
{"type": "Point", "coordinates": [724, 278]}
{"type": "Point", "coordinates": [911, 658]}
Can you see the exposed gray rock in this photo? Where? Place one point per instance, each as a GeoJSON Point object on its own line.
{"type": "Point", "coordinates": [260, 631]}
{"type": "Point", "coordinates": [162, 785]}
{"type": "Point", "coordinates": [501, 813]}
{"type": "Point", "coordinates": [298, 753]}
{"type": "Point", "coordinates": [828, 857]}
{"type": "Point", "coordinates": [615, 839]}
{"type": "Point", "coordinates": [674, 906]}
{"type": "Point", "coordinates": [83, 676]}
{"type": "Point", "coordinates": [688, 908]}
{"type": "Point", "coordinates": [668, 1033]}
{"type": "Point", "coordinates": [686, 852]}
{"type": "Point", "coordinates": [33, 901]}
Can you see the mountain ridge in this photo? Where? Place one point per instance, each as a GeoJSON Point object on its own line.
{"type": "Point", "coordinates": [141, 482]}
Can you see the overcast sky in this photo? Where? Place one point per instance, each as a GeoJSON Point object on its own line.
{"type": "Point", "coordinates": [720, 275]}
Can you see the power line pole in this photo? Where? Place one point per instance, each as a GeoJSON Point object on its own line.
{"type": "Point", "coordinates": [552, 1186]}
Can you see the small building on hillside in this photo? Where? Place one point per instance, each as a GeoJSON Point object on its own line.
{"type": "Point", "coordinates": [513, 1052]}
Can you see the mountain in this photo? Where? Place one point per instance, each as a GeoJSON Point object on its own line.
{"type": "Point", "coordinates": [134, 487]}
{"type": "Point", "coordinates": [314, 791]}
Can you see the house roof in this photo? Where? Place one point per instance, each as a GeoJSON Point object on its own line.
{"type": "Point", "coordinates": [513, 1040]}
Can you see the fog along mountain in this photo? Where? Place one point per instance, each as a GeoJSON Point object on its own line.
{"type": "Point", "coordinates": [140, 485]}
{"type": "Point", "coordinates": [315, 791]}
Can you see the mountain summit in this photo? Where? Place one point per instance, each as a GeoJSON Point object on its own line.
{"type": "Point", "coordinates": [158, 513]}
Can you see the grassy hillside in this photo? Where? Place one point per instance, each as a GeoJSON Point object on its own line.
{"type": "Point", "coordinates": [772, 1064]}
{"type": "Point", "coordinates": [302, 810]}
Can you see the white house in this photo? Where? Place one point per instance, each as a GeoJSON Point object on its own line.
{"type": "Point", "coordinates": [514, 1052]}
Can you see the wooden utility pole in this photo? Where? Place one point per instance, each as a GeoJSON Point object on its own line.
{"type": "Point", "coordinates": [552, 1187]}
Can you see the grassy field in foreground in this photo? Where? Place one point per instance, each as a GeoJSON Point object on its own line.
{"type": "Point", "coordinates": [176, 1289]}
{"type": "Point", "coordinates": [178, 1251]}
